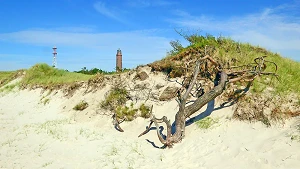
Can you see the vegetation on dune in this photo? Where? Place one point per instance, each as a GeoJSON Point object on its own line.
{"type": "Point", "coordinates": [145, 110]}
{"type": "Point", "coordinates": [94, 71]}
{"type": "Point", "coordinates": [206, 123]}
{"type": "Point", "coordinates": [127, 113]}
{"type": "Point", "coordinates": [115, 101]}
{"type": "Point", "coordinates": [9, 88]}
{"type": "Point", "coordinates": [81, 105]}
{"type": "Point", "coordinates": [230, 53]}
{"type": "Point", "coordinates": [7, 76]}
{"type": "Point", "coordinates": [45, 75]}
{"type": "Point", "coordinates": [116, 97]}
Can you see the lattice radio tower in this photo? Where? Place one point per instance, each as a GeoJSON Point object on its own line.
{"type": "Point", "coordinates": [54, 64]}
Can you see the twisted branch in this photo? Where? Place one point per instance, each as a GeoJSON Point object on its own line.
{"type": "Point", "coordinates": [224, 76]}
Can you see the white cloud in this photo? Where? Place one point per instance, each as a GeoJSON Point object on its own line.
{"type": "Point", "coordinates": [276, 29]}
{"type": "Point", "coordinates": [111, 13]}
{"type": "Point", "coordinates": [77, 29]}
{"type": "Point", "coordinates": [99, 40]}
{"type": "Point", "coordinates": [75, 49]}
{"type": "Point", "coordinates": [149, 3]}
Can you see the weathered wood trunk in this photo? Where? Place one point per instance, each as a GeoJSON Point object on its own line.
{"type": "Point", "coordinates": [208, 96]}
{"type": "Point", "coordinates": [185, 112]}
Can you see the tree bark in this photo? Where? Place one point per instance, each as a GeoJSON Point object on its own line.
{"type": "Point", "coordinates": [208, 96]}
{"type": "Point", "coordinates": [185, 112]}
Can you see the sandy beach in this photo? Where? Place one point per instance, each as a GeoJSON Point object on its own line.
{"type": "Point", "coordinates": [39, 129]}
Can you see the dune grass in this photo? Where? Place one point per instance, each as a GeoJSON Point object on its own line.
{"type": "Point", "coordinates": [6, 76]}
{"type": "Point", "coordinates": [9, 88]}
{"type": "Point", "coordinates": [45, 75]}
{"type": "Point", "coordinates": [227, 51]}
{"type": "Point", "coordinates": [288, 70]}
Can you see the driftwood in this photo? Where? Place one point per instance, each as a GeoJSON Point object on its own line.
{"type": "Point", "coordinates": [117, 122]}
{"type": "Point", "coordinates": [223, 77]}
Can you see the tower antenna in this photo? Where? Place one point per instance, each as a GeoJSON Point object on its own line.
{"type": "Point", "coordinates": [54, 64]}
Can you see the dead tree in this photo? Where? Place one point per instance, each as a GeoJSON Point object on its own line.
{"type": "Point", "coordinates": [223, 77]}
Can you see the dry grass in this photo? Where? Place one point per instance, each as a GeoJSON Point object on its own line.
{"type": "Point", "coordinates": [267, 108]}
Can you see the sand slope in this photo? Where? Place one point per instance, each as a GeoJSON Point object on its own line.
{"type": "Point", "coordinates": [52, 135]}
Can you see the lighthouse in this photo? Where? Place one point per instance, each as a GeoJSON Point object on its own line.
{"type": "Point", "coordinates": [119, 60]}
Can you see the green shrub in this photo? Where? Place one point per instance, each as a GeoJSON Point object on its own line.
{"type": "Point", "coordinates": [127, 113]}
{"type": "Point", "coordinates": [81, 106]}
{"type": "Point", "coordinates": [145, 111]}
{"type": "Point", "coordinates": [115, 98]}
{"type": "Point", "coordinates": [206, 123]}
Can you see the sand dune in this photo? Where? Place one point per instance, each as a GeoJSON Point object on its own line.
{"type": "Point", "coordinates": [35, 133]}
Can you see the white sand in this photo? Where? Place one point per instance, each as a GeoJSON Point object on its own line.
{"type": "Point", "coordinates": [34, 135]}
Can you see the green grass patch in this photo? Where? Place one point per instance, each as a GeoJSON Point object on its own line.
{"type": "Point", "coordinates": [53, 128]}
{"type": "Point", "coordinates": [145, 111]}
{"type": "Point", "coordinates": [127, 113]}
{"type": "Point", "coordinates": [46, 101]}
{"type": "Point", "coordinates": [116, 97]}
{"type": "Point", "coordinates": [9, 88]}
{"type": "Point", "coordinates": [90, 134]}
{"type": "Point", "coordinates": [6, 76]}
{"type": "Point", "coordinates": [45, 75]}
{"type": "Point", "coordinates": [206, 123]}
{"type": "Point", "coordinates": [81, 105]}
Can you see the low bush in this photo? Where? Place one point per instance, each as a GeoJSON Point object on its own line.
{"type": "Point", "coordinates": [126, 113]}
{"type": "Point", "coordinates": [145, 111]}
{"type": "Point", "coordinates": [115, 98]}
{"type": "Point", "coordinates": [81, 105]}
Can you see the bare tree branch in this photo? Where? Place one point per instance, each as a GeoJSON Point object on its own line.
{"type": "Point", "coordinates": [222, 77]}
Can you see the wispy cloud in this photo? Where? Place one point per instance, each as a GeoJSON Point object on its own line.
{"type": "Point", "coordinates": [108, 12]}
{"type": "Point", "coordinates": [274, 28]}
{"type": "Point", "coordinates": [149, 3]}
{"type": "Point", "coordinates": [44, 37]}
{"type": "Point", "coordinates": [80, 29]}
{"type": "Point", "coordinates": [75, 49]}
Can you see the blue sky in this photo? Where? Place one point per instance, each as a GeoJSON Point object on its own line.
{"type": "Point", "coordinates": [88, 33]}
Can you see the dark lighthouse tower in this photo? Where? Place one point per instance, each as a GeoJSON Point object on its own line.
{"type": "Point", "coordinates": [119, 60]}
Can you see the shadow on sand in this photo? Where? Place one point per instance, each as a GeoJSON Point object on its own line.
{"type": "Point", "coordinates": [209, 109]}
